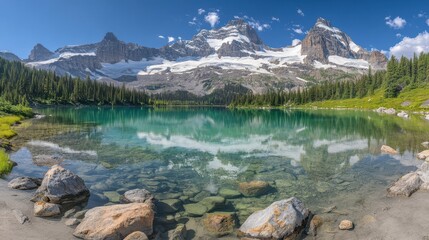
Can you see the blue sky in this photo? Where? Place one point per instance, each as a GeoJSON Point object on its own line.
{"type": "Point", "coordinates": [56, 23]}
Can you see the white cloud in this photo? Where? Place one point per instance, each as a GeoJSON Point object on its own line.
{"type": "Point", "coordinates": [396, 23]}
{"type": "Point", "coordinates": [258, 26]}
{"type": "Point", "coordinates": [421, 15]}
{"type": "Point", "coordinates": [237, 17]}
{"type": "Point", "coordinates": [212, 18]}
{"type": "Point", "coordinates": [201, 11]}
{"type": "Point", "coordinates": [171, 39]}
{"type": "Point", "coordinates": [296, 42]}
{"type": "Point", "coordinates": [300, 12]}
{"type": "Point", "coordinates": [408, 46]}
{"type": "Point", "coordinates": [275, 19]}
{"type": "Point", "coordinates": [298, 30]}
{"type": "Point", "coordinates": [160, 36]}
{"type": "Point", "coordinates": [398, 35]}
{"type": "Point", "coordinates": [194, 21]}
{"type": "Point", "coordinates": [427, 21]}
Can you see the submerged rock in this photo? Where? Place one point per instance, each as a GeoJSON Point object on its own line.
{"type": "Point", "coordinates": [388, 149]}
{"type": "Point", "coordinates": [24, 183]}
{"type": "Point", "coordinates": [195, 209]}
{"type": "Point", "coordinates": [281, 219]}
{"type": "Point", "coordinates": [406, 185]}
{"type": "Point", "coordinates": [220, 223]}
{"type": "Point", "coordinates": [44, 209]}
{"type": "Point", "coordinates": [115, 222]}
{"type": "Point", "coordinates": [169, 205]}
{"type": "Point", "coordinates": [254, 188]}
{"type": "Point", "coordinates": [61, 186]}
{"type": "Point", "coordinates": [113, 196]}
{"type": "Point", "coordinates": [179, 233]}
{"type": "Point", "coordinates": [346, 225]}
{"type": "Point", "coordinates": [229, 193]}
{"type": "Point", "coordinates": [212, 202]}
{"type": "Point", "coordinates": [137, 236]}
{"type": "Point", "coordinates": [137, 196]}
{"type": "Point", "coordinates": [47, 160]}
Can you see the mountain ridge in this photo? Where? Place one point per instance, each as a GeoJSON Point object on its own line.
{"type": "Point", "coordinates": [232, 54]}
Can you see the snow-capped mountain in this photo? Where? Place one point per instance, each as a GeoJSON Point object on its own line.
{"type": "Point", "coordinates": [232, 54]}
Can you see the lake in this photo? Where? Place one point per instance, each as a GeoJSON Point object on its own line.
{"type": "Point", "coordinates": [325, 158]}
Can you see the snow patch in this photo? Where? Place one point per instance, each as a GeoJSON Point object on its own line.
{"type": "Point", "coordinates": [348, 62]}
{"type": "Point", "coordinates": [354, 47]}
{"type": "Point", "coordinates": [332, 29]}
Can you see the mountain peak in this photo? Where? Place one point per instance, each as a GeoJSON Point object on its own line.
{"type": "Point", "coordinates": [39, 53]}
{"type": "Point", "coordinates": [237, 22]}
{"type": "Point", "coordinates": [110, 37]}
{"type": "Point", "coordinates": [323, 21]}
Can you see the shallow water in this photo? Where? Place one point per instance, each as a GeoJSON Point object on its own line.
{"type": "Point", "coordinates": [324, 158]}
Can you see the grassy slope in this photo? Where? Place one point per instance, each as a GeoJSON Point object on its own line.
{"type": "Point", "coordinates": [415, 96]}
{"type": "Point", "coordinates": [9, 115]}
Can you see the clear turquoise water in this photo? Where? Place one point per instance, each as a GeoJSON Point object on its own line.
{"type": "Point", "coordinates": [323, 157]}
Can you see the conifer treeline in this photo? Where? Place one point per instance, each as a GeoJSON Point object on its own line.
{"type": "Point", "coordinates": [22, 85]}
{"type": "Point", "coordinates": [400, 75]}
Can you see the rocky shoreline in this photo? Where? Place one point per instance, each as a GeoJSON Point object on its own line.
{"type": "Point", "coordinates": [59, 194]}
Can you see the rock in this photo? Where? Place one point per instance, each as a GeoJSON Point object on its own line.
{"type": "Point", "coordinates": [405, 185]}
{"type": "Point", "coordinates": [220, 223]}
{"type": "Point", "coordinates": [44, 209]}
{"type": "Point", "coordinates": [47, 160]}
{"type": "Point", "coordinates": [20, 216]}
{"type": "Point", "coordinates": [169, 205]}
{"type": "Point", "coordinates": [390, 111]}
{"type": "Point", "coordinates": [254, 188]}
{"type": "Point", "coordinates": [229, 193]}
{"type": "Point", "coordinates": [425, 144]}
{"type": "Point", "coordinates": [61, 186]}
{"type": "Point", "coordinates": [137, 235]}
{"type": "Point", "coordinates": [137, 196]}
{"type": "Point", "coordinates": [402, 114]}
{"type": "Point", "coordinates": [389, 150]}
{"type": "Point", "coordinates": [315, 223]}
{"type": "Point", "coordinates": [69, 213]}
{"type": "Point", "coordinates": [346, 225]}
{"type": "Point", "coordinates": [72, 222]}
{"type": "Point", "coordinates": [281, 219]}
{"type": "Point", "coordinates": [195, 209]}
{"type": "Point", "coordinates": [24, 183]}
{"type": "Point", "coordinates": [113, 196]}
{"type": "Point", "coordinates": [406, 103]}
{"type": "Point", "coordinates": [427, 117]}
{"type": "Point", "coordinates": [80, 214]}
{"type": "Point", "coordinates": [212, 202]}
{"type": "Point", "coordinates": [201, 195]}
{"type": "Point", "coordinates": [116, 221]}
{"type": "Point", "coordinates": [423, 155]}
{"type": "Point", "coordinates": [179, 233]}
{"type": "Point", "coordinates": [380, 109]}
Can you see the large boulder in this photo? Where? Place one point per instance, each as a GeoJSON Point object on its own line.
{"type": "Point", "coordinates": [280, 220]}
{"type": "Point", "coordinates": [115, 222]}
{"type": "Point", "coordinates": [61, 186]}
{"type": "Point", "coordinates": [254, 188]}
{"type": "Point", "coordinates": [44, 209]}
{"type": "Point", "coordinates": [24, 183]}
{"type": "Point", "coordinates": [406, 185]}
